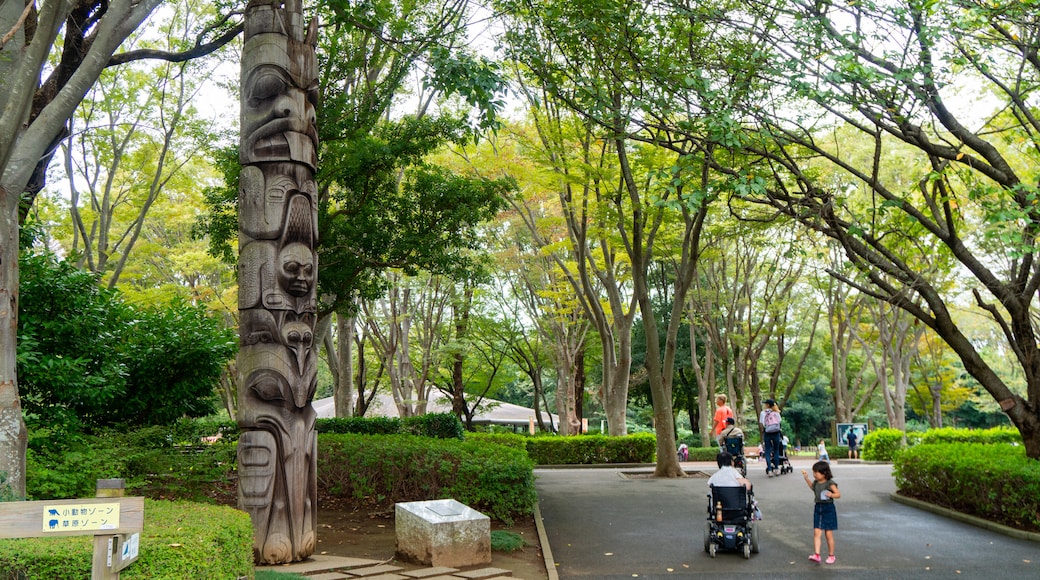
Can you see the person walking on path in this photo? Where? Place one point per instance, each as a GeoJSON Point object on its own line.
{"type": "Point", "coordinates": [853, 442]}
{"type": "Point", "coordinates": [825, 516]}
{"type": "Point", "coordinates": [722, 412]}
{"type": "Point", "coordinates": [770, 421]}
{"type": "Point", "coordinates": [821, 452]}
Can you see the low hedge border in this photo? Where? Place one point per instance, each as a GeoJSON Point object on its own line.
{"type": "Point", "coordinates": [577, 449]}
{"type": "Point", "coordinates": [384, 469]}
{"type": "Point", "coordinates": [180, 540]}
{"type": "Point", "coordinates": [996, 482]}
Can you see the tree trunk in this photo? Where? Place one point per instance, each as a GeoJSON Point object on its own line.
{"type": "Point", "coordinates": [344, 394]}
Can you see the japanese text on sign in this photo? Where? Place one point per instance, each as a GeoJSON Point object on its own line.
{"type": "Point", "coordinates": [79, 518]}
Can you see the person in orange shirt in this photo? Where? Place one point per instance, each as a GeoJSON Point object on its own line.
{"type": "Point", "coordinates": [722, 412]}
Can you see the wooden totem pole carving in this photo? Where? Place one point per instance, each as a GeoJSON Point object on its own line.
{"type": "Point", "coordinates": [277, 209]}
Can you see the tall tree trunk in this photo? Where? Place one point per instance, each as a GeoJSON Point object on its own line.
{"type": "Point", "coordinates": [344, 394]}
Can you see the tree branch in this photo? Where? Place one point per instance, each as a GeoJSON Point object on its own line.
{"type": "Point", "coordinates": [196, 52]}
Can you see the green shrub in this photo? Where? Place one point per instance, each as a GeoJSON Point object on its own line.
{"type": "Point", "coordinates": [1002, 434]}
{"type": "Point", "coordinates": [705, 453]}
{"type": "Point", "coordinates": [438, 425]}
{"type": "Point", "coordinates": [359, 425]}
{"type": "Point", "coordinates": [996, 482]}
{"type": "Point", "coordinates": [158, 462]}
{"type": "Point", "coordinates": [513, 440]}
{"type": "Point", "coordinates": [504, 541]}
{"type": "Point", "coordinates": [882, 444]}
{"type": "Point", "coordinates": [180, 540]}
{"type": "Point", "coordinates": [592, 449]}
{"type": "Point", "coordinates": [384, 469]}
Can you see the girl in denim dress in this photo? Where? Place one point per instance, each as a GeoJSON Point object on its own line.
{"type": "Point", "coordinates": [825, 517]}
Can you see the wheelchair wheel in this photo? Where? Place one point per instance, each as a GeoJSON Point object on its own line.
{"type": "Point", "coordinates": [753, 532]}
{"type": "Point", "coordinates": [707, 536]}
{"type": "Point", "coordinates": [747, 551]}
{"type": "Point", "coordinates": [713, 549]}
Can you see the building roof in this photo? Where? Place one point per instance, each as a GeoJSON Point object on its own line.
{"type": "Point", "coordinates": [489, 412]}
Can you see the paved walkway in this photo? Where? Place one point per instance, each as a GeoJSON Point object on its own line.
{"type": "Point", "coordinates": [337, 568]}
{"type": "Point", "coordinates": [604, 524]}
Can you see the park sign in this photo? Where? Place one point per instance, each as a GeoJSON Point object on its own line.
{"type": "Point", "coordinates": [115, 522]}
{"type": "Point", "coordinates": [71, 517]}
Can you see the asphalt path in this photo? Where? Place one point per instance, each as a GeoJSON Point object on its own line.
{"type": "Point", "coordinates": [612, 523]}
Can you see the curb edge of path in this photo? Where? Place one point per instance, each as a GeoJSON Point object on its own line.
{"type": "Point", "coordinates": [543, 541]}
{"type": "Point", "coordinates": [968, 519]}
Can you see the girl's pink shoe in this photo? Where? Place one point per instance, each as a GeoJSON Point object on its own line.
{"type": "Point", "coordinates": [829, 560]}
{"type": "Point", "coordinates": [814, 558]}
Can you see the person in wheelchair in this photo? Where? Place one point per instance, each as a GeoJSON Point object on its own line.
{"type": "Point", "coordinates": [727, 475]}
{"type": "Point", "coordinates": [733, 442]}
{"type": "Point", "coordinates": [731, 512]}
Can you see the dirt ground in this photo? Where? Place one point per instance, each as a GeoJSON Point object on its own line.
{"type": "Point", "coordinates": [344, 530]}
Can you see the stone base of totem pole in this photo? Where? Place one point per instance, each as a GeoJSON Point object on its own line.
{"type": "Point", "coordinates": [442, 532]}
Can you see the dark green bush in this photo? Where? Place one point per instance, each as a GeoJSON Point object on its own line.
{"type": "Point", "coordinates": [359, 425]}
{"type": "Point", "coordinates": [159, 462]}
{"type": "Point", "coordinates": [384, 469]}
{"type": "Point", "coordinates": [180, 540]}
{"type": "Point", "coordinates": [591, 449]}
{"type": "Point", "coordinates": [438, 425]}
{"type": "Point", "coordinates": [993, 481]}
{"type": "Point", "coordinates": [881, 445]}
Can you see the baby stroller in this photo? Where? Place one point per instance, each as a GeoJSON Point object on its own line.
{"type": "Point", "coordinates": [735, 447]}
{"type": "Point", "coordinates": [731, 524]}
{"type": "Point", "coordinates": [784, 462]}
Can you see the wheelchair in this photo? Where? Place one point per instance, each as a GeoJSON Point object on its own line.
{"type": "Point", "coordinates": [731, 524]}
{"type": "Point", "coordinates": [735, 447]}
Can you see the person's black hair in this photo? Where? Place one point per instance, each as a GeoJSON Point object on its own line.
{"type": "Point", "coordinates": [770, 402]}
{"type": "Point", "coordinates": [724, 459]}
{"type": "Point", "coordinates": [824, 468]}
{"type": "Point", "coordinates": [729, 421]}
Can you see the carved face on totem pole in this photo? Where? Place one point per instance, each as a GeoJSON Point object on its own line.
{"type": "Point", "coordinates": [277, 280]}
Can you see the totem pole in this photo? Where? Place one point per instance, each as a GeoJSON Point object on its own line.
{"type": "Point", "coordinates": [277, 212]}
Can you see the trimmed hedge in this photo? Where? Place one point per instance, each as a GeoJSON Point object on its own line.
{"type": "Point", "coordinates": [438, 425]}
{"type": "Point", "coordinates": [996, 482]}
{"type": "Point", "coordinates": [590, 449]}
{"type": "Point", "coordinates": [881, 445]}
{"type": "Point", "coordinates": [514, 440]}
{"type": "Point", "coordinates": [1003, 434]}
{"type": "Point", "coordinates": [180, 540]}
{"type": "Point", "coordinates": [384, 469]}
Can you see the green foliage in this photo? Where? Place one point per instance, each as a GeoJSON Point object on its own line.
{"type": "Point", "coordinates": [882, 445]}
{"type": "Point", "coordinates": [808, 416]}
{"type": "Point", "coordinates": [438, 425]}
{"type": "Point", "coordinates": [706, 453]}
{"type": "Point", "coordinates": [994, 481]}
{"type": "Point", "coordinates": [359, 425]}
{"type": "Point", "coordinates": [88, 359]}
{"type": "Point", "coordinates": [951, 435]}
{"type": "Point", "coordinates": [160, 462]}
{"type": "Point", "coordinates": [514, 440]}
{"type": "Point", "coordinates": [180, 540]}
{"type": "Point", "coordinates": [588, 449]}
{"type": "Point", "coordinates": [384, 469]}
{"type": "Point", "coordinates": [505, 541]}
